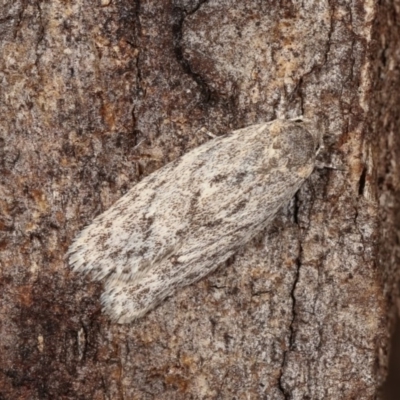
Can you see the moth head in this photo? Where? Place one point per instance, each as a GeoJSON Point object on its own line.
{"type": "Point", "coordinates": [315, 128]}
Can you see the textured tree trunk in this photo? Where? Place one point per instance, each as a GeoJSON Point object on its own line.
{"type": "Point", "coordinates": [96, 95]}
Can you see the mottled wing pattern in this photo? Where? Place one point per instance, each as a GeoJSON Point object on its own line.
{"type": "Point", "coordinates": [185, 219]}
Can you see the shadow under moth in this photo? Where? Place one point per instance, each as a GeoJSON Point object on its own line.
{"type": "Point", "coordinates": [182, 221]}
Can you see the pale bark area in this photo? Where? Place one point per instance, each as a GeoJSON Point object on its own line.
{"type": "Point", "coordinates": [97, 94]}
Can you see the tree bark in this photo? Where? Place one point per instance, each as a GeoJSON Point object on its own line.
{"type": "Point", "coordinates": [98, 94]}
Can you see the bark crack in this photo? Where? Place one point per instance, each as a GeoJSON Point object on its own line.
{"type": "Point", "coordinates": [179, 16]}
{"type": "Point", "coordinates": [291, 327]}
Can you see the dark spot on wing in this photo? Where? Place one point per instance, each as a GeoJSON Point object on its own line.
{"type": "Point", "coordinates": [129, 253]}
{"type": "Point", "coordinates": [141, 252]}
{"type": "Point", "coordinates": [238, 207]}
{"type": "Point", "coordinates": [159, 184]}
{"type": "Point", "coordinates": [277, 144]}
{"type": "Point", "coordinates": [102, 239]}
{"type": "Point", "coordinates": [115, 254]}
{"type": "Point", "coordinates": [194, 200]}
{"type": "Point", "coordinates": [218, 178]}
{"type": "Point", "coordinates": [111, 271]}
{"type": "Point", "coordinates": [149, 221]}
{"type": "Point", "coordinates": [211, 224]}
{"type": "Point", "coordinates": [273, 162]}
{"type": "Point", "coordinates": [240, 176]}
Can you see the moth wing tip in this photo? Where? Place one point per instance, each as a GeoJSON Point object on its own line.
{"type": "Point", "coordinates": [119, 307]}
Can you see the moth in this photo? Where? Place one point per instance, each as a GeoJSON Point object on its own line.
{"type": "Point", "coordinates": [182, 221]}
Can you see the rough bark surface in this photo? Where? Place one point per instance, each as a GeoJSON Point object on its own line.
{"type": "Point", "coordinates": [97, 94]}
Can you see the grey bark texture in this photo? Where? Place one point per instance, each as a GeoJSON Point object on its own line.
{"type": "Point", "coordinates": [97, 94]}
